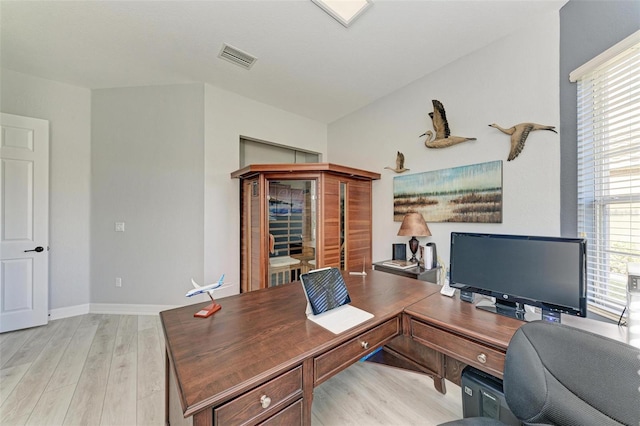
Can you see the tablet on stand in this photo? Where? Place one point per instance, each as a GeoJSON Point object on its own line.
{"type": "Point", "coordinates": [328, 301]}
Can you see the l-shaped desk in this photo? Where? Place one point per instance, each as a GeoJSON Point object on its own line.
{"type": "Point", "coordinates": [257, 360]}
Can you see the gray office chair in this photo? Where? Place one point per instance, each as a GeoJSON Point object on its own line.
{"type": "Point", "coordinates": [560, 375]}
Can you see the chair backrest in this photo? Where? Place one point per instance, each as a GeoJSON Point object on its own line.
{"type": "Point", "coordinates": [555, 374]}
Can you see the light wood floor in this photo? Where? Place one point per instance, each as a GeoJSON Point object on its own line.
{"type": "Point", "coordinates": [109, 370]}
{"type": "Point", "coordinates": [372, 394]}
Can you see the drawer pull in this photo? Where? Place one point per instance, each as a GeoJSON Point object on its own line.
{"type": "Point", "coordinates": [482, 358]}
{"type": "Point", "coordinates": [265, 401]}
{"type": "Point", "coordinates": [365, 345]}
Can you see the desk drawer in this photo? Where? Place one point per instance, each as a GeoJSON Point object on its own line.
{"type": "Point", "coordinates": [265, 400]}
{"type": "Point", "coordinates": [328, 364]}
{"type": "Point", "coordinates": [292, 415]}
{"type": "Point", "coordinates": [482, 357]}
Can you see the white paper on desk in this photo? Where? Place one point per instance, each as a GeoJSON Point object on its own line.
{"type": "Point", "coordinates": [341, 318]}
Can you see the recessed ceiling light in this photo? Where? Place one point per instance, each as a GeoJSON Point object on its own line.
{"type": "Point", "coordinates": [344, 11]}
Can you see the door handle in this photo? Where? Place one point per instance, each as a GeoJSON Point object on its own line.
{"type": "Point", "coordinates": [37, 249]}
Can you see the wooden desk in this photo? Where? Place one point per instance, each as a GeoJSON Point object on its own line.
{"type": "Point", "coordinates": [261, 344]}
{"type": "Point", "coordinates": [463, 334]}
{"type": "Point", "coordinates": [469, 336]}
{"type": "Point", "coordinates": [259, 358]}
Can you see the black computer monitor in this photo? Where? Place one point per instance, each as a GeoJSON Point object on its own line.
{"type": "Point", "coordinates": [547, 272]}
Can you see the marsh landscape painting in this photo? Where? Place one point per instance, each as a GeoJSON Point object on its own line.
{"type": "Point", "coordinates": [460, 194]}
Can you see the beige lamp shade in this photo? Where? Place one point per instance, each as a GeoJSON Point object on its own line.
{"type": "Point", "coordinates": [413, 225]}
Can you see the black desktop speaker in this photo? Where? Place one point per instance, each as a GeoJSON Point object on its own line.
{"type": "Point", "coordinates": [399, 251]}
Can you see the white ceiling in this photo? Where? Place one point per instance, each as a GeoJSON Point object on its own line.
{"type": "Point", "coordinates": [308, 63]}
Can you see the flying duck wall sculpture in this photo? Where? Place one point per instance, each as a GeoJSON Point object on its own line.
{"type": "Point", "coordinates": [399, 164]}
{"type": "Point", "coordinates": [443, 136]}
{"type": "Point", "coordinates": [519, 134]}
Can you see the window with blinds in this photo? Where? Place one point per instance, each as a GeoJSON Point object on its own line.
{"type": "Point", "coordinates": [609, 173]}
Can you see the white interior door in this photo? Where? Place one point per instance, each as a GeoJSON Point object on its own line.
{"type": "Point", "coordinates": [24, 222]}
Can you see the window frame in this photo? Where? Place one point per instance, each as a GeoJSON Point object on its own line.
{"type": "Point", "coordinates": [608, 125]}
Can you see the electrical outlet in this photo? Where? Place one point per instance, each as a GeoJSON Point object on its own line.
{"type": "Point", "coordinates": [118, 282]}
{"type": "Point", "coordinates": [119, 226]}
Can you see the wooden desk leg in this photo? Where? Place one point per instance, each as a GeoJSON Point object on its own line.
{"type": "Point", "coordinates": [307, 391]}
{"type": "Point", "coordinates": [438, 378]}
{"type": "Point", "coordinates": [439, 384]}
{"type": "Point", "coordinates": [203, 418]}
{"type": "Point", "coordinates": [166, 387]}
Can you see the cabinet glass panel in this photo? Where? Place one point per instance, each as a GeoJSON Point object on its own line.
{"type": "Point", "coordinates": [292, 214]}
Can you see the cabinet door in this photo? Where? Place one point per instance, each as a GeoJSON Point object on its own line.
{"type": "Point", "coordinates": [331, 222]}
{"type": "Point", "coordinates": [292, 212]}
{"type": "Point", "coordinates": [346, 221]}
{"type": "Point", "coordinates": [358, 225]}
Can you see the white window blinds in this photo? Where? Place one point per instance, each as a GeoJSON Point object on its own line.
{"type": "Point", "coordinates": [609, 176]}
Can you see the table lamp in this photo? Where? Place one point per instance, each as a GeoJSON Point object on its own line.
{"type": "Point", "coordinates": [414, 225]}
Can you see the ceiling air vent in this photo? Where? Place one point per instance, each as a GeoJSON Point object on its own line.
{"type": "Point", "coordinates": [237, 56]}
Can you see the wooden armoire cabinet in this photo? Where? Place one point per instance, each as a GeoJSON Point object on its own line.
{"type": "Point", "coordinates": [298, 217]}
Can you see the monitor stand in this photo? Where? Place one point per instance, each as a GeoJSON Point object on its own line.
{"type": "Point", "coordinates": [508, 309]}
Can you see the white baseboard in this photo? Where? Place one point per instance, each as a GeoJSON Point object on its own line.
{"type": "Point", "coordinates": [128, 309]}
{"type": "Point", "coordinates": [69, 311]}
{"type": "Point", "coordinates": [107, 308]}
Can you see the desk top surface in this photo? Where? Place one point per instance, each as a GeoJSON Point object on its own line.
{"type": "Point", "coordinates": [464, 319]}
{"type": "Point", "coordinates": [260, 334]}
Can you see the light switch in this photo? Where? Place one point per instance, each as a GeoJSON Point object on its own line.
{"type": "Point", "coordinates": [119, 226]}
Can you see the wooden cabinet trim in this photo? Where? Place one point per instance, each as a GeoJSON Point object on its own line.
{"type": "Point", "coordinates": [254, 169]}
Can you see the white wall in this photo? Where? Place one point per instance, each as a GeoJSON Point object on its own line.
{"type": "Point", "coordinates": [68, 109]}
{"type": "Point", "coordinates": [162, 158]}
{"type": "Point", "coordinates": [227, 117]}
{"type": "Point", "coordinates": [150, 157]}
{"type": "Point", "coordinates": [147, 171]}
{"type": "Point", "coordinates": [511, 81]}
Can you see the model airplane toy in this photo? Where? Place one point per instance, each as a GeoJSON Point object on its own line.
{"type": "Point", "coordinates": [213, 307]}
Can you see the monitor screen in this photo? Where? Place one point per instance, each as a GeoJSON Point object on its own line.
{"type": "Point", "coordinates": [546, 272]}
